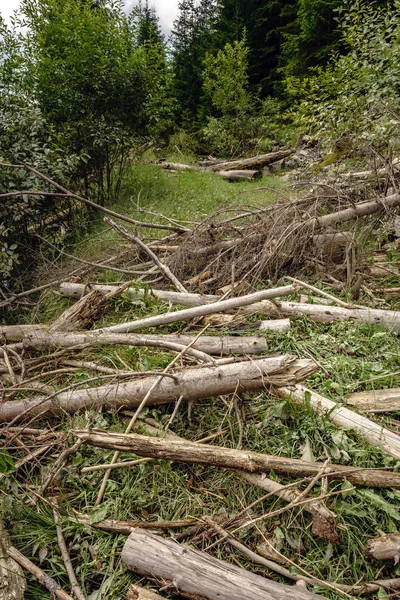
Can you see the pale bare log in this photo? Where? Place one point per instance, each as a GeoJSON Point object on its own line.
{"type": "Point", "coordinates": [343, 417]}
{"type": "Point", "coordinates": [376, 401]}
{"type": "Point", "coordinates": [240, 175]}
{"type": "Point", "coordinates": [198, 573]}
{"type": "Point", "coordinates": [243, 460]}
{"type": "Point", "coordinates": [281, 325]}
{"type": "Point", "coordinates": [15, 333]}
{"type": "Point", "coordinates": [256, 162]}
{"type": "Point", "coordinates": [384, 547]}
{"type": "Point", "coordinates": [362, 209]}
{"type": "Point", "coordinates": [217, 345]}
{"type": "Point", "coordinates": [171, 166]}
{"type": "Point", "coordinates": [136, 592]}
{"type": "Point", "coordinates": [12, 578]}
{"type": "Point", "coordinates": [191, 383]}
{"type": "Point", "coordinates": [201, 311]}
{"type": "Point", "coordinates": [76, 290]}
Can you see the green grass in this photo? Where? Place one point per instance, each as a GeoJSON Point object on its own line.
{"type": "Point", "coordinates": [352, 356]}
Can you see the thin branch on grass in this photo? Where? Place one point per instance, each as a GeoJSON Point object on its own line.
{"type": "Point", "coordinates": [76, 588]}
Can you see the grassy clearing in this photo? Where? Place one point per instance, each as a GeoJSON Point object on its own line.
{"type": "Point", "coordinates": [353, 357]}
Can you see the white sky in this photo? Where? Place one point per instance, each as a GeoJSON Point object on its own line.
{"type": "Point", "coordinates": [166, 9]}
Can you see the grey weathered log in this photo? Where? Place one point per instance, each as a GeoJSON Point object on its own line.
{"type": "Point", "coordinates": [12, 578]}
{"type": "Point", "coordinates": [229, 458]}
{"type": "Point", "coordinates": [362, 209]}
{"type": "Point", "coordinates": [376, 401]}
{"type": "Point", "coordinates": [384, 547]}
{"type": "Point", "coordinates": [195, 572]}
{"type": "Point", "coordinates": [171, 166]}
{"type": "Point", "coordinates": [201, 311]}
{"type": "Point", "coordinates": [191, 383]}
{"type": "Point", "coordinates": [217, 345]}
{"type": "Point", "coordinates": [15, 333]}
{"type": "Point", "coordinates": [242, 175]}
{"type": "Point", "coordinates": [255, 162]}
{"type": "Point", "coordinates": [341, 416]}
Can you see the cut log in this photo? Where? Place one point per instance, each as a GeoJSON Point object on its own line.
{"type": "Point", "coordinates": [320, 313]}
{"type": "Point", "coordinates": [376, 401]}
{"type": "Point", "coordinates": [194, 572]}
{"type": "Point", "coordinates": [243, 460]}
{"type": "Point", "coordinates": [373, 433]}
{"type": "Point", "coordinates": [75, 290]}
{"type": "Point", "coordinates": [384, 547]}
{"type": "Point", "coordinates": [240, 175]}
{"type": "Point", "coordinates": [217, 345]}
{"type": "Point", "coordinates": [83, 314]}
{"type": "Point", "coordinates": [323, 519]}
{"type": "Point", "coordinates": [170, 166]}
{"type": "Point", "coordinates": [256, 162]}
{"type": "Point", "coordinates": [12, 578]}
{"type": "Point", "coordinates": [201, 311]}
{"type": "Point", "coordinates": [191, 383]}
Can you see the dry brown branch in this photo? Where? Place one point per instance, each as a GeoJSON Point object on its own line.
{"type": "Point", "coordinates": [76, 588]}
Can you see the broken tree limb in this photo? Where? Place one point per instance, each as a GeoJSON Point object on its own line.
{"type": "Point", "coordinates": [15, 333]}
{"type": "Point", "coordinates": [376, 401]}
{"type": "Point", "coordinates": [170, 166]}
{"type": "Point", "coordinates": [191, 383]}
{"type": "Point", "coordinates": [83, 314]}
{"type": "Point", "coordinates": [341, 416]}
{"type": "Point", "coordinates": [135, 239]}
{"type": "Point", "coordinates": [12, 578]}
{"type": "Point", "coordinates": [255, 162]}
{"type": "Point", "coordinates": [198, 573]}
{"type": "Point", "coordinates": [201, 311]}
{"type": "Point", "coordinates": [238, 175]}
{"type": "Point", "coordinates": [136, 592]}
{"type": "Point", "coordinates": [217, 345]}
{"type": "Point", "coordinates": [244, 460]}
{"type": "Point", "coordinates": [384, 547]}
{"type": "Point", "coordinates": [76, 290]}
{"type": "Point", "coordinates": [323, 519]}
{"type": "Point", "coordinates": [362, 209]}
{"type": "Point", "coordinates": [48, 582]}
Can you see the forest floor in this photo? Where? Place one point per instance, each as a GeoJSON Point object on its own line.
{"type": "Point", "coordinates": [351, 356]}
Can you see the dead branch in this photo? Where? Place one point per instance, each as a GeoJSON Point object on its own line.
{"type": "Point", "coordinates": [376, 401]}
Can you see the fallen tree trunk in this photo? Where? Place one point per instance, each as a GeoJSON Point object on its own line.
{"type": "Point", "coordinates": [376, 401]}
{"type": "Point", "coordinates": [12, 578]}
{"type": "Point", "coordinates": [323, 519]}
{"type": "Point", "coordinates": [384, 547]}
{"type": "Point", "coordinates": [244, 460]}
{"type": "Point", "coordinates": [170, 166]}
{"type": "Point", "coordinates": [195, 572]}
{"type": "Point", "coordinates": [327, 314]}
{"type": "Point", "coordinates": [15, 333]}
{"type": "Point", "coordinates": [76, 290]}
{"type": "Point", "coordinates": [362, 209]}
{"type": "Point", "coordinates": [217, 345]}
{"type": "Point", "coordinates": [83, 314]}
{"type": "Point", "coordinates": [343, 417]}
{"type": "Point", "coordinates": [201, 311]}
{"type": "Point", "coordinates": [255, 162]}
{"type": "Point", "coordinates": [240, 175]}
{"type": "Point", "coordinates": [191, 383]}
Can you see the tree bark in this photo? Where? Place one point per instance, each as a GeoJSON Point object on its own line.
{"type": "Point", "coordinates": [373, 433]}
{"type": "Point", "coordinates": [384, 547]}
{"type": "Point", "coordinates": [376, 401]}
{"type": "Point", "coordinates": [12, 578]}
{"type": "Point", "coordinates": [198, 573]}
{"type": "Point", "coordinates": [256, 162]}
{"type": "Point", "coordinates": [240, 175]}
{"type": "Point", "coordinates": [191, 383]}
{"type": "Point", "coordinates": [244, 460]}
{"type": "Point", "coordinates": [220, 346]}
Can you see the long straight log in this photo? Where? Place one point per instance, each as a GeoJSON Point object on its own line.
{"type": "Point", "coordinates": [376, 401]}
{"type": "Point", "coordinates": [240, 175]}
{"type": "Point", "coordinates": [255, 162]}
{"type": "Point", "coordinates": [244, 460]}
{"type": "Point", "coordinates": [194, 572]}
{"type": "Point", "coordinates": [341, 416]}
{"type": "Point", "coordinates": [362, 209]}
{"type": "Point", "coordinates": [201, 311]}
{"type": "Point", "coordinates": [217, 345]}
{"type": "Point", "coordinates": [191, 383]}
{"type": "Point", "coordinates": [327, 314]}
{"type": "Point", "coordinates": [170, 166]}
{"type": "Point", "coordinates": [15, 333]}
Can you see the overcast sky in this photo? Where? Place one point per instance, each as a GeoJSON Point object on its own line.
{"type": "Point", "coordinates": [166, 10]}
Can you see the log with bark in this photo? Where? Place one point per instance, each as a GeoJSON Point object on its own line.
{"type": "Point", "coordinates": [194, 572]}
{"type": "Point", "coordinates": [191, 383]}
{"type": "Point", "coordinates": [384, 547]}
{"type": "Point", "coordinates": [217, 345]}
{"type": "Point", "coordinates": [238, 175]}
{"type": "Point", "coordinates": [341, 416]}
{"type": "Point", "coordinates": [376, 401]}
{"type": "Point", "coordinates": [243, 460]}
{"type": "Point", "coordinates": [255, 162]}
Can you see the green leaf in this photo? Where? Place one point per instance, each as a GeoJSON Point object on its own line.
{"type": "Point", "coordinates": [6, 462]}
{"type": "Point", "coordinates": [380, 503]}
{"type": "Point", "coordinates": [99, 514]}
